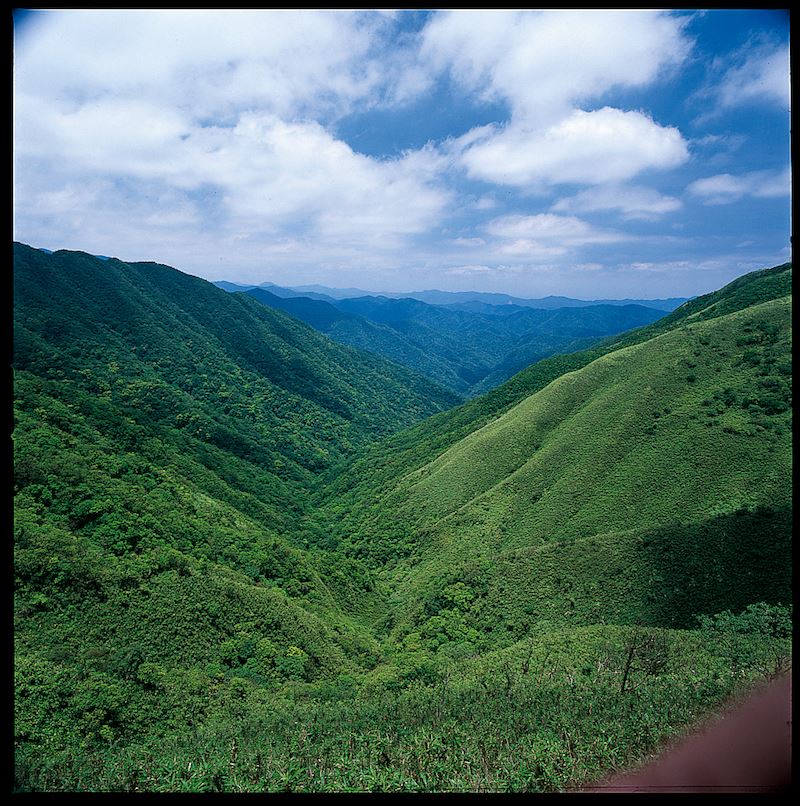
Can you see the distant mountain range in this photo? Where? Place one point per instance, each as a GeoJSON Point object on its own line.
{"type": "Point", "coordinates": [482, 299]}
{"type": "Point", "coordinates": [470, 347]}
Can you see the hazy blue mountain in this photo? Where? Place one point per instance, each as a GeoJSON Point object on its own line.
{"type": "Point", "coordinates": [466, 350]}
{"type": "Point", "coordinates": [228, 286]}
{"type": "Point", "coordinates": [333, 293]}
{"type": "Point", "coordinates": [435, 297]}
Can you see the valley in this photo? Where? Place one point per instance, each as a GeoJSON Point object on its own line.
{"type": "Point", "coordinates": [275, 543]}
{"type": "Point", "coordinates": [471, 346]}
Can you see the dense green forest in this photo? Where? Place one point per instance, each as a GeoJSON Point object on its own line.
{"type": "Point", "coordinates": [249, 558]}
{"type": "Point", "coordinates": [469, 351]}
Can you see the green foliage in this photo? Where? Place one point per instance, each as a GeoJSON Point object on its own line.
{"type": "Point", "coordinates": [543, 715]}
{"type": "Point", "coordinates": [228, 577]}
{"type": "Point", "coordinates": [467, 351]}
{"type": "Point", "coordinates": [774, 621]}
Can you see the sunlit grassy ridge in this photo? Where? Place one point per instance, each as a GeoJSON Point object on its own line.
{"type": "Point", "coordinates": [622, 477]}
{"type": "Point", "coordinates": [625, 442]}
{"type": "Point", "coordinates": [629, 418]}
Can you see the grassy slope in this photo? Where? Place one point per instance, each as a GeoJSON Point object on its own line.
{"type": "Point", "coordinates": [654, 445]}
{"type": "Point", "coordinates": [349, 495]}
{"type": "Point", "coordinates": [622, 443]}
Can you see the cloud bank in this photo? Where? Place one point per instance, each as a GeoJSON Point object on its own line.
{"type": "Point", "coordinates": [212, 140]}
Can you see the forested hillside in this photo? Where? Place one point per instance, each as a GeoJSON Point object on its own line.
{"type": "Point", "coordinates": [470, 351]}
{"type": "Point", "coordinates": [167, 436]}
{"type": "Point", "coordinates": [248, 558]}
{"type": "Point", "coordinates": [374, 337]}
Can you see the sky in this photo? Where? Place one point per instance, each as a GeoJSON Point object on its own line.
{"type": "Point", "coordinates": [589, 153]}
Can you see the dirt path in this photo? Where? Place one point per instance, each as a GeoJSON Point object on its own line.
{"type": "Point", "coordinates": [745, 749]}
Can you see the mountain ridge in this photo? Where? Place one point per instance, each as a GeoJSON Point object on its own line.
{"type": "Point", "coordinates": [436, 297]}
{"type": "Point", "coordinates": [468, 351]}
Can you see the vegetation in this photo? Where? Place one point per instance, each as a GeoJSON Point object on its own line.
{"type": "Point", "coordinates": [468, 351]}
{"type": "Point", "coordinates": [237, 568]}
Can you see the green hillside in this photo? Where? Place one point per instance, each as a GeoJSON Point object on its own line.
{"type": "Point", "coordinates": [675, 433]}
{"type": "Point", "coordinates": [166, 437]}
{"type": "Point", "coordinates": [626, 441]}
{"type": "Point", "coordinates": [237, 568]}
{"type": "Point", "coordinates": [468, 351]}
{"type": "Point", "coordinates": [380, 471]}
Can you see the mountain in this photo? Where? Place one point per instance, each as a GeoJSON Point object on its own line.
{"type": "Point", "coordinates": [271, 288]}
{"type": "Point", "coordinates": [665, 455]}
{"type": "Point", "coordinates": [443, 430]}
{"type": "Point", "coordinates": [288, 293]}
{"type": "Point", "coordinates": [189, 419]}
{"type": "Point", "coordinates": [469, 298]}
{"type": "Point", "coordinates": [499, 300]}
{"type": "Point", "coordinates": [166, 438]}
{"type": "Point", "coordinates": [226, 286]}
{"type": "Point", "coordinates": [248, 558]}
{"type": "Point", "coordinates": [467, 351]}
{"type": "Point", "coordinates": [330, 293]}
{"type": "Point", "coordinates": [490, 349]}
{"type": "Point", "coordinates": [363, 334]}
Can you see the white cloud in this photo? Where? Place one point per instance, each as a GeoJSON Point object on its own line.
{"type": "Point", "coordinates": [287, 62]}
{"type": "Point", "coordinates": [268, 174]}
{"type": "Point", "coordinates": [470, 271]}
{"type": "Point", "coordinates": [545, 236]}
{"type": "Point", "coordinates": [544, 63]}
{"type": "Point", "coordinates": [156, 105]}
{"type": "Point", "coordinates": [763, 77]}
{"type": "Point", "coordinates": [727, 188]}
{"type": "Point", "coordinates": [208, 140]}
{"type": "Point", "coordinates": [606, 145]}
{"type": "Point", "coordinates": [632, 202]}
{"type": "Point", "coordinates": [549, 228]}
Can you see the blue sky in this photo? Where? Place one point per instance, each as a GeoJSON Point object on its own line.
{"type": "Point", "coordinates": [608, 153]}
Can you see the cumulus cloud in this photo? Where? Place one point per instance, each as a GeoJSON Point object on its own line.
{"type": "Point", "coordinates": [217, 110]}
{"type": "Point", "coordinates": [286, 62]}
{"type": "Point", "coordinates": [545, 235]}
{"type": "Point", "coordinates": [214, 140]}
{"type": "Point", "coordinates": [545, 65]}
{"type": "Point", "coordinates": [727, 188]}
{"type": "Point", "coordinates": [632, 202]}
{"type": "Point", "coordinates": [605, 145]}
